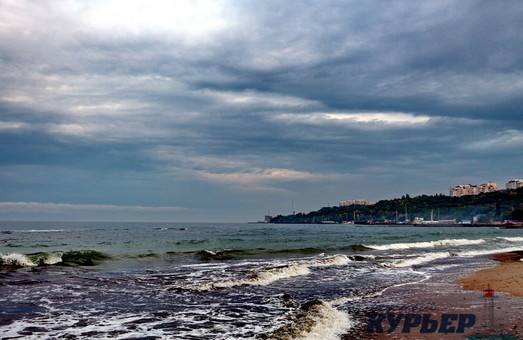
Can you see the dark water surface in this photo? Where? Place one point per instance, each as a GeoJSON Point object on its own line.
{"type": "Point", "coordinates": [213, 281]}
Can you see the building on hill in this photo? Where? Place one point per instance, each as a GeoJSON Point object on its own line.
{"type": "Point", "coordinates": [353, 202]}
{"type": "Point", "coordinates": [514, 184]}
{"type": "Point", "coordinates": [471, 189]}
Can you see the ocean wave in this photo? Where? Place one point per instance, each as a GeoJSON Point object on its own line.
{"type": "Point", "coordinates": [263, 277]}
{"type": "Point", "coordinates": [41, 230]}
{"type": "Point", "coordinates": [489, 251]}
{"type": "Point", "coordinates": [12, 261]}
{"type": "Point", "coordinates": [13, 245]}
{"type": "Point", "coordinates": [512, 239]}
{"type": "Point", "coordinates": [226, 254]}
{"type": "Point", "coordinates": [190, 242]}
{"type": "Point", "coordinates": [79, 257]}
{"type": "Point", "coordinates": [219, 254]}
{"type": "Point", "coordinates": [46, 258]}
{"type": "Point", "coordinates": [260, 278]}
{"type": "Point", "coordinates": [428, 244]}
{"type": "Point", "coordinates": [316, 319]}
{"type": "Point", "coordinates": [358, 247]}
{"type": "Point", "coordinates": [428, 257]}
{"type": "Point", "coordinates": [408, 262]}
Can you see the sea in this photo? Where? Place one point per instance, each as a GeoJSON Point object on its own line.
{"type": "Point", "coordinates": [96, 280]}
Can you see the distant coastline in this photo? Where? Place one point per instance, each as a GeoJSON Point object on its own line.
{"type": "Point", "coordinates": [500, 208]}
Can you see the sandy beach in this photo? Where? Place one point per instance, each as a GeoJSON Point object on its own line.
{"type": "Point", "coordinates": [506, 277]}
{"type": "Point", "coordinates": [451, 299]}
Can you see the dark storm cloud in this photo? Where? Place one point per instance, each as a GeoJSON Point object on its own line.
{"type": "Point", "coordinates": [423, 57]}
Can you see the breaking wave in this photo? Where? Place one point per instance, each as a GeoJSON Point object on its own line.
{"type": "Point", "coordinates": [428, 257]}
{"type": "Point", "coordinates": [489, 251]}
{"type": "Point", "coordinates": [421, 259]}
{"type": "Point", "coordinates": [429, 244]}
{"type": "Point", "coordinates": [316, 319]}
{"type": "Point", "coordinates": [79, 257]}
{"type": "Point", "coordinates": [512, 239]}
{"type": "Point", "coordinates": [12, 261]}
{"type": "Point", "coordinates": [266, 276]}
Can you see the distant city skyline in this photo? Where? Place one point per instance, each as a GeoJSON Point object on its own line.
{"type": "Point", "coordinates": [216, 111]}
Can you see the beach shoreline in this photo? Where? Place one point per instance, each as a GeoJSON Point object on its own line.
{"type": "Point", "coordinates": [450, 299]}
{"type": "Point", "coordinates": [506, 277]}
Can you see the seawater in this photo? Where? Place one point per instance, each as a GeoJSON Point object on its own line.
{"type": "Point", "coordinates": [214, 280]}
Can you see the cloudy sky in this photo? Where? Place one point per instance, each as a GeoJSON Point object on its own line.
{"type": "Point", "coordinates": [160, 110]}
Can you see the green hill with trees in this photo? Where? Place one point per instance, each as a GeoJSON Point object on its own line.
{"type": "Point", "coordinates": [486, 207]}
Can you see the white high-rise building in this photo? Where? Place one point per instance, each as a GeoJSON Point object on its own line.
{"type": "Point", "coordinates": [471, 189]}
{"type": "Point", "coordinates": [515, 184]}
{"type": "Point", "coordinates": [353, 202]}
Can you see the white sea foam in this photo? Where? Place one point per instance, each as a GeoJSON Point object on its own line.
{"type": "Point", "coordinates": [489, 251]}
{"type": "Point", "coordinates": [427, 257]}
{"type": "Point", "coordinates": [264, 277]}
{"type": "Point", "coordinates": [512, 239]}
{"type": "Point", "coordinates": [408, 262]}
{"type": "Point", "coordinates": [53, 258]}
{"type": "Point", "coordinates": [21, 260]}
{"type": "Point", "coordinates": [428, 244]}
{"type": "Point", "coordinates": [260, 278]}
{"type": "Point", "coordinates": [61, 324]}
{"type": "Point", "coordinates": [318, 321]}
{"type": "Point", "coordinates": [206, 265]}
{"type": "Point", "coordinates": [99, 326]}
{"type": "Point", "coordinates": [336, 260]}
{"type": "Point", "coordinates": [17, 260]}
{"type": "Point", "coordinates": [329, 323]}
{"type": "Point", "coordinates": [347, 299]}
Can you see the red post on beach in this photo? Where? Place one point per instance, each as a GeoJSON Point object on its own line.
{"type": "Point", "coordinates": [489, 292]}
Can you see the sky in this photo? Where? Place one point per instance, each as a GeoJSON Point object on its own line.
{"type": "Point", "coordinates": [224, 111]}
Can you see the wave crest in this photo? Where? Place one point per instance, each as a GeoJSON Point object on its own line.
{"type": "Point", "coordinates": [428, 257]}
{"type": "Point", "coordinates": [512, 239]}
{"type": "Point", "coordinates": [79, 257]}
{"type": "Point", "coordinates": [316, 319]}
{"type": "Point", "coordinates": [428, 244]}
{"type": "Point", "coordinates": [421, 259]}
{"type": "Point", "coordinates": [12, 261]}
{"type": "Point", "coordinates": [264, 277]}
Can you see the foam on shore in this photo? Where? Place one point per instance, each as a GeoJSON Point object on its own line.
{"type": "Point", "coordinates": [428, 257]}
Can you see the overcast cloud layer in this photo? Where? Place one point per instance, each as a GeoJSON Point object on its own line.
{"type": "Point", "coordinates": [227, 110]}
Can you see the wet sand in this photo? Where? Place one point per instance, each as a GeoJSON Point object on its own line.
{"type": "Point", "coordinates": [506, 277]}
{"type": "Point", "coordinates": [458, 291]}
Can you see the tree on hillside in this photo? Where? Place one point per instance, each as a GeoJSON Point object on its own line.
{"type": "Point", "coordinates": [517, 215]}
